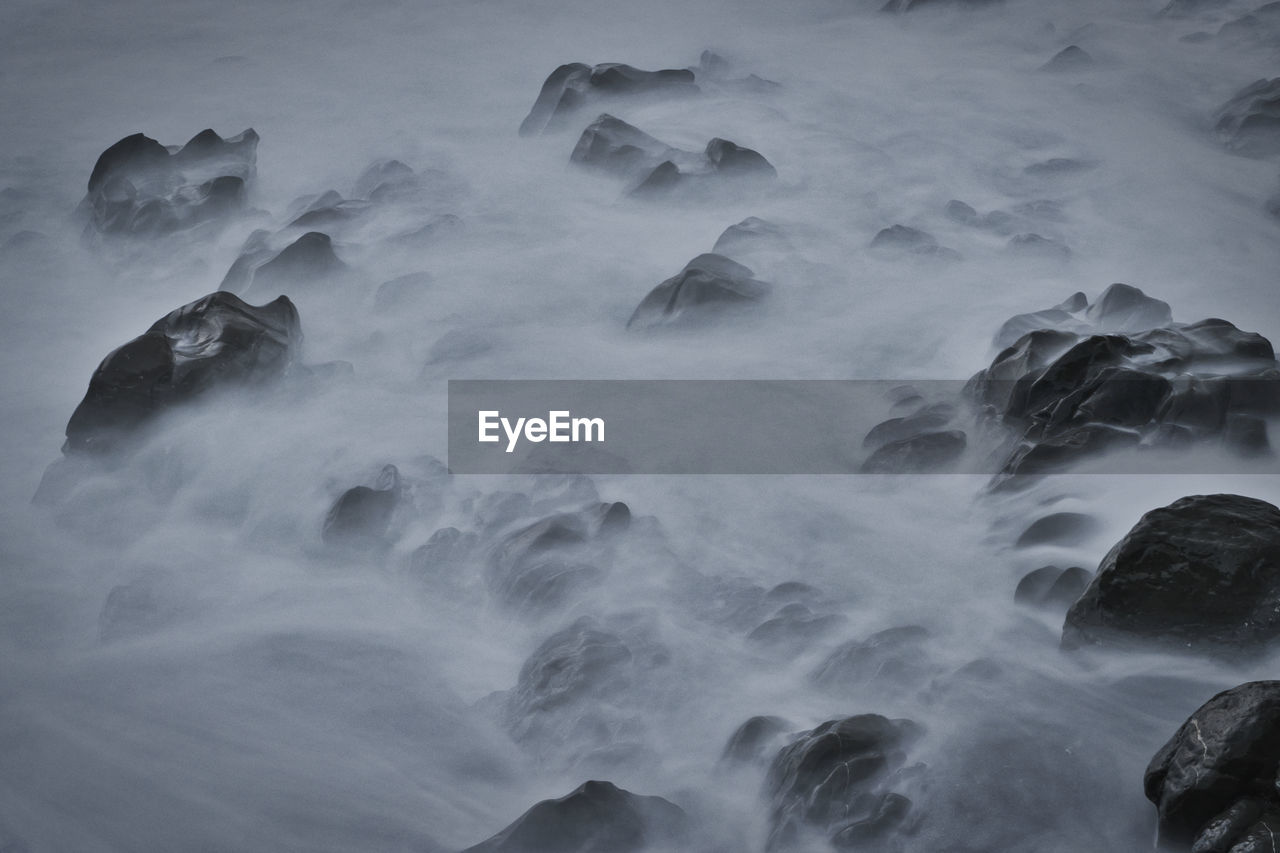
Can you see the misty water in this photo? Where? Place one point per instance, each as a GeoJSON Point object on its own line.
{"type": "Point", "coordinates": [257, 690]}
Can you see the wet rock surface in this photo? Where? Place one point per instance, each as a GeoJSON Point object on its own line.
{"type": "Point", "coordinates": [1202, 574]}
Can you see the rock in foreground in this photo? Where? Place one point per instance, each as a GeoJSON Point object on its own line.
{"type": "Point", "coordinates": [1215, 782]}
{"type": "Point", "coordinates": [1202, 574]}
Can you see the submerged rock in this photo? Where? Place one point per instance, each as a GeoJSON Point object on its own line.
{"type": "Point", "coordinates": [750, 742]}
{"type": "Point", "coordinates": [1050, 586]}
{"type": "Point", "coordinates": [596, 817]}
{"type": "Point", "coordinates": [1249, 123]}
{"type": "Point", "coordinates": [925, 451]}
{"type": "Point", "coordinates": [1214, 782]}
{"type": "Point", "coordinates": [1070, 58]}
{"type": "Point", "coordinates": [139, 186]}
{"type": "Point", "coordinates": [708, 284]}
{"type": "Point", "coordinates": [749, 235]}
{"type": "Point", "coordinates": [214, 343]}
{"type": "Point", "coordinates": [838, 780]}
{"type": "Point", "coordinates": [361, 516]}
{"type": "Point", "coordinates": [1202, 574]}
{"type": "Point", "coordinates": [307, 260]}
{"type": "Point", "coordinates": [612, 145]}
{"type": "Point", "coordinates": [574, 86]}
{"type": "Point", "coordinates": [903, 238]}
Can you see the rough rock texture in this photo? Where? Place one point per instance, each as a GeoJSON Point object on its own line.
{"type": "Point", "coordinates": [215, 342]}
{"type": "Point", "coordinates": [1119, 373]}
{"type": "Point", "coordinates": [596, 817]}
{"type": "Point", "coordinates": [139, 186]}
{"type": "Point", "coordinates": [361, 516]}
{"type": "Point", "coordinates": [1200, 574]}
{"type": "Point", "coordinates": [838, 780]}
{"type": "Point", "coordinates": [1215, 782]}
{"type": "Point", "coordinates": [572, 87]}
{"type": "Point", "coordinates": [1249, 123]}
{"type": "Point", "coordinates": [708, 284]}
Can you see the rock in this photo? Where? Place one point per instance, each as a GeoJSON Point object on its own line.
{"type": "Point", "coordinates": [1249, 123]}
{"type": "Point", "coordinates": [384, 180]}
{"type": "Point", "coordinates": [612, 145]}
{"type": "Point", "coordinates": [749, 235]}
{"type": "Point", "coordinates": [217, 342]}
{"type": "Point", "coordinates": [361, 516]}
{"type": "Point", "coordinates": [926, 451]}
{"type": "Point", "coordinates": [664, 178]}
{"type": "Point", "coordinates": [1201, 574]}
{"type": "Point", "coordinates": [1058, 528]}
{"type": "Point", "coordinates": [904, 238]}
{"type": "Point", "coordinates": [306, 260]}
{"type": "Point", "coordinates": [572, 87]}
{"type": "Point", "coordinates": [793, 628]}
{"type": "Point", "coordinates": [1036, 246]}
{"type": "Point", "coordinates": [402, 291]}
{"type": "Point", "coordinates": [538, 566]}
{"type": "Point", "coordinates": [750, 742]}
{"type": "Point", "coordinates": [1246, 435]}
{"type": "Point", "coordinates": [891, 659]}
{"type": "Point", "coordinates": [730, 159]}
{"type": "Point", "coordinates": [838, 779]}
{"type": "Point", "coordinates": [1070, 58]}
{"type": "Point", "coordinates": [1050, 586]}
{"type": "Point", "coordinates": [927, 419]}
{"type": "Point", "coordinates": [139, 186]}
{"type": "Point", "coordinates": [597, 817]}
{"type": "Point", "coordinates": [958, 211]}
{"type": "Point", "coordinates": [1061, 317]}
{"type": "Point", "coordinates": [709, 284]}
{"type": "Point", "coordinates": [1058, 166]}
{"type": "Point", "coordinates": [1122, 308]}
{"type": "Point", "coordinates": [1214, 782]}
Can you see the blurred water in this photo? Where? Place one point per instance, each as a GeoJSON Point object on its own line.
{"type": "Point", "coordinates": [250, 689]}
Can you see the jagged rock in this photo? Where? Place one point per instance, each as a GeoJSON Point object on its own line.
{"type": "Point", "coordinates": [838, 779]}
{"type": "Point", "coordinates": [1249, 123]}
{"type": "Point", "coordinates": [139, 186]}
{"type": "Point", "coordinates": [1123, 308]}
{"type": "Point", "coordinates": [538, 566]}
{"type": "Point", "coordinates": [1200, 574]}
{"type": "Point", "coordinates": [1214, 782]}
{"type": "Point", "coordinates": [1070, 58]}
{"type": "Point", "coordinates": [597, 817]}
{"type": "Point", "coordinates": [707, 283]}
{"type": "Point", "coordinates": [572, 87]}
{"type": "Point", "coordinates": [1058, 528]}
{"type": "Point", "coordinates": [216, 342]}
{"type": "Point", "coordinates": [923, 452]}
{"type": "Point", "coordinates": [361, 516]}
{"type": "Point", "coordinates": [751, 234]}
{"type": "Point", "coordinates": [1050, 586]}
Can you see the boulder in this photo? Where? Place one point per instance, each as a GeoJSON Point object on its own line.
{"type": "Point", "coordinates": [749, 235]}
{"type": "Point", "coordinates": [751, 740]}
{"type": "Point", "coordinates": [709, 284]}
{"type": "Point", "coordinates": [612, 145]}
{"type": "Point", "coordinates": [1214, 783]}
{"type": "Point", "coordinates": [216, 342]}
{"type": "Point", "coordinates": [574, 86]}
{"type": "Point", "coordinates": [1070, 58]}
{"type": "Point", "coordinates": [139, 186]}
{"type": "Point", "coordinates": [361, 516]}
{"type": "Point", "coordinates": [1202, 574]}
{"type": "Point", "coordinates": [838, 781]}
{"type": "Point", "coordinates": [596, 817]}
{"type": "Point", "coordinates": [1249, 123]}
{"type": "Point", "coordinates": [1050, 586]}
{"type": "Point", "coordinates": [1058, 528]}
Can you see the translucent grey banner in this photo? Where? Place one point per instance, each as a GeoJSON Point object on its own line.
{"type": "Point", "coordinates": [846, 427]}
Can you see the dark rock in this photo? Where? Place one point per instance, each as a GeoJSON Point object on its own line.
{"type": "Point", "coordinates": [926, 451]}
{"type": "Point", "coordinates": [904, 238]}
{"type": "Point", "coordinates": [1214, 782]}
{"type": "Point", "coordinates": [1058, 528]}
{"type": "Point", "coordinates": [750, 234]}
{"type": "Point", "coordinates": [707, 282]}
{"type": "Point", "coordinates": [1200, 574]}
{"type": "Point", "coordinates": [139, 186]}
{"type": "Point", "coordinates": [1246, 435]}
{"type": "Point", "coordinates": [664, 178]}
{"type": "Point", "coordinates": [574, 86]}
{"type": "Point", "coordinates": [958, 211]}
{"type": "Point", "coordinates": [751, 740]}
{"type": "Point", "coordinates": [361, 516]}
{"type": "Point", "coordinates": [308, 259]}
{"type": "Point", "coordinates": [1070, 58]}
{"type": "Point", "coordinates": [1034, 458]}
{"type": "Point", "coordinates": [612, 145]}
{"type": "Point", "coordinates": [216, 342]}
{"type": "Point", "coordinates": [730, 159]}
{"type": "Point", "coordinates": [386, 179]}
{"type": "Point", "coordinates": [928, 419]}
{"type": "Point", "coordinates": [1122, 308]}
{"type": "Point", "coordinates": [446, 550]}
{"type": "Point", "coordinates": [793, 629]}
{"type": "Point", "coordinates": [597, 817]}
{"type": "Point", "coordinates": [840, 776]}
{"type": "Point", "coordinates": [1249, 123]}
{"type": "Point", "coordinates": [902, 6]}
{"type": "Point", "coordinates": [1050, 586]}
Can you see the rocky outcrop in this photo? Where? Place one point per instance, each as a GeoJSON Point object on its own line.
{"type": "Point", "coordinates": [214, 343]}
{"type": "Point", "coordinates": [139, 186]}
{"type": "Point", "coordinates": [574, 86]}
{"type": "Point", "coordinates": [708, 285]}
{"type": "Point", "coordinates": [596, 817]}
{"type": "Point", "coordinates": [1202, 574]}
{"type": "Point", "coordinates": [1215, 782]}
